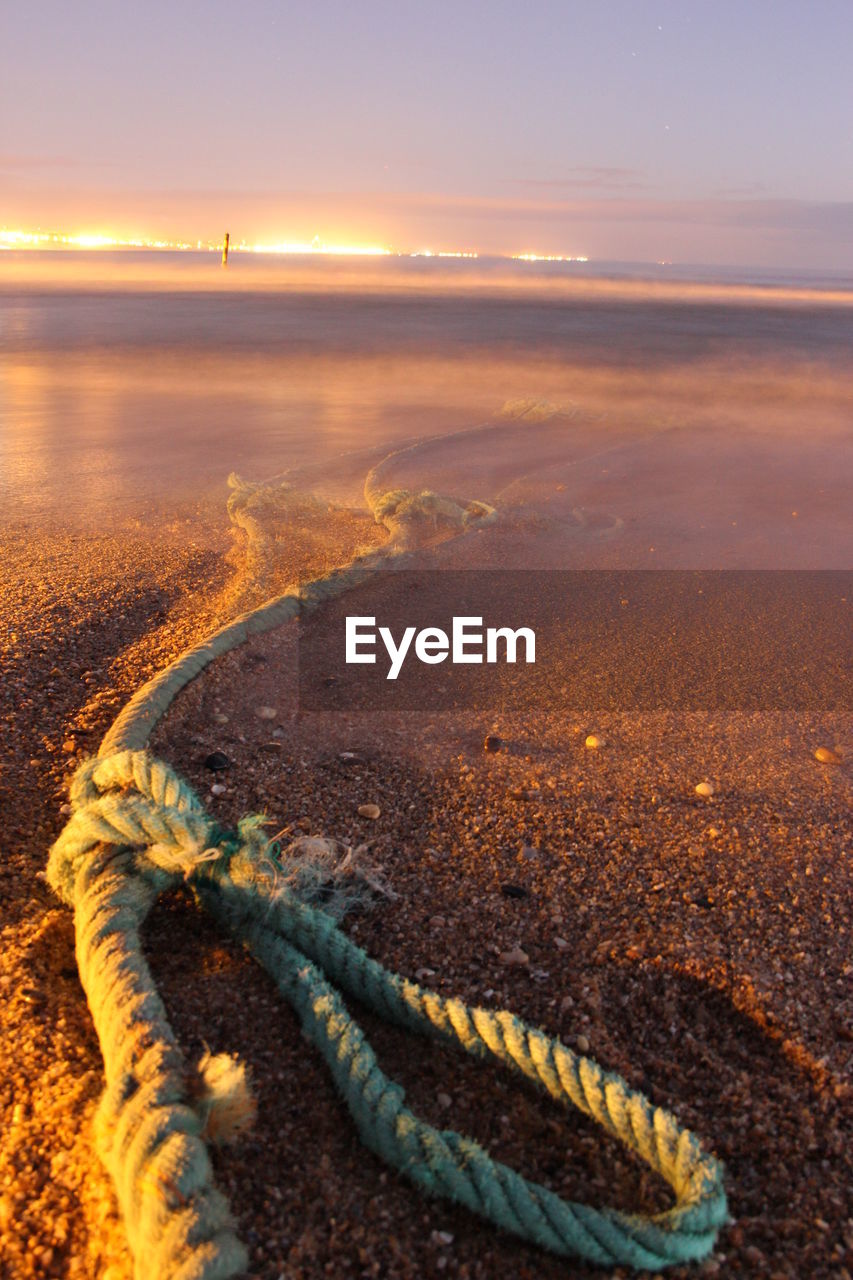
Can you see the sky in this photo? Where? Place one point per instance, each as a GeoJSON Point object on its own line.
{"type": "Point", "coordinates": [701, 131]}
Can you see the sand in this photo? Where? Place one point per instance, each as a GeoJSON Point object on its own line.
{"type": "Point", "coordinates": [89, 616]}
{"type": "Point", "coordinates": [700, 948]}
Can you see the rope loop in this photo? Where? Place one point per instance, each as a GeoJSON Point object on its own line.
{"type": "Point", "coordinates": [138, 829]}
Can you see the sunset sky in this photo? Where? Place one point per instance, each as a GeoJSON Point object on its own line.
{"type": "Point", "coordinates": [711, 131]}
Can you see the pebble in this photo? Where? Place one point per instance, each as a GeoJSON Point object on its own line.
{"type": "Point", "coordinates": [705, 789]}
{"type": "Point", "coordinates": [561, 944]}
{"type": "Point", "coordinates": [216, 761]}
{"type": "Point", "coordinates": [515, 957]}
{"type": "Point", "coordinates": [444, 1100]}
{"type": "Point", "coordinates": [218, 789]}
{"type": "Point", "coordinates": [592, 742]}
{"type": "Point", "coordinates": [826, 755]}
{"type": "Point", "coordinates": [371, 811]}
{"type": "Point", "coordinates": [69, 746]}
{"type": "Point", "coordinates": [220, 718]}
{"type": "Point", "coordinates": [583, 1044]}
{"type": "Point", "coordinates": [266, 713]}
{"type": "Point", "coordinates": [492, 743]}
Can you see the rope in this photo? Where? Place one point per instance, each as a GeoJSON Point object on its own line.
{"type": "Point", "coordinates": [136, 830]}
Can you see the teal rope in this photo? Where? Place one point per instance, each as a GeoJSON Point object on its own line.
{"type": "Point", "coordinates": [138, 829]}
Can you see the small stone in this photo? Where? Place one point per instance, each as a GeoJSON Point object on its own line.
{"type": "Point", "coordinates": [515, 957]}
{"type": "Point", "coordinates": [442, 1237]}
{"type": "Point", "coordinates": [437, 922]}
{"type": "Point", "coordinates": [583, 1044]}
{"type": "Point", "coordinates": [592, 742]}
{"type": "Point", "coordinates": [65, 809]}
{"type": "Point", "coordinates": [492, 743]}
{"type": "Point", "coordinates": [514, 891]}
{"type": "Point", "coordinates": [219, 717]}
{"type": "Point", "coordinates": [271, 748]}
{"type": "Point", "coordinates": [216, 761]}
{"type": "Point", "coordinates": [826, 755]}
{"type": "Point", "coordinates": [69, 746]}
{"type": "Point", "coordinates": [266, 713]}
{"type": "Point", "coordinates": [530, 852]}
{"type": "Point", "coordinates": [705, 789]}
{"type": "Point", "coordinates": [444, 1100]}
{"type": "Point", "coordinates": [371, 811]}
{"type": "Point", "coordinates": [218, 789]}
{"type": "Point", "coordinates": [713, 833]}
{"type": "Point", "coordinates": [561, 944]}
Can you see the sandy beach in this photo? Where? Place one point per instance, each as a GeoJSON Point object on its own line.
{"type": "Point", "coordinates": [699, 947]}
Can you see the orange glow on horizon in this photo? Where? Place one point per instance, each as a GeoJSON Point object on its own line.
{"type": "Point", "coordinates": [14, 238]}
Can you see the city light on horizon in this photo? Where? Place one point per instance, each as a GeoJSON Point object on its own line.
{"type": "Point", "coordinates": [17, 238]}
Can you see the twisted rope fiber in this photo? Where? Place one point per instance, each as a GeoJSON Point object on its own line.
{"type": "Point", "coordinates": [138, 829]}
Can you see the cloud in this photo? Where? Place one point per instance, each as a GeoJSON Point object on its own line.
{"type": "Point", "coordinates": [591, 178]}
{"type": "Point", "coordinates": [768, 214]}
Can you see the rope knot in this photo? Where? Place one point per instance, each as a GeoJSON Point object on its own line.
{"type": "Point", "coordinates": [133, 801]}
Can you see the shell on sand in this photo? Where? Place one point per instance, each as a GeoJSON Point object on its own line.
{"type": "Point", "coordinates": [705, 789]}
{"type": "Point", "coordinates": [826, 755]}
{"type": "Point", "coordinates": [592, 742]}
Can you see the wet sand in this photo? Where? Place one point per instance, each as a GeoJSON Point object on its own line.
{"type": "Point", "coordinates": [699, 947]}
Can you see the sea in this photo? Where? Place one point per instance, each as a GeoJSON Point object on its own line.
{"type": "Point", "coordinates": [689, 416]}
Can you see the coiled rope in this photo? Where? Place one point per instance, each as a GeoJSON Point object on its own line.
{"type": "Point", "coordinates": [138, 830]}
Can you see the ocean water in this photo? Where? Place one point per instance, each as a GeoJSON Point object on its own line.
{"type": "Point", "coordinates": [614, 414]}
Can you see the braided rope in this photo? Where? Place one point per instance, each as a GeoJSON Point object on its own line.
{"type": "Point", "coordinates": [138, 829]}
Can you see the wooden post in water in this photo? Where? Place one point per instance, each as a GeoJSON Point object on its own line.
{"type": "Point", "coordinates": [225, 250]}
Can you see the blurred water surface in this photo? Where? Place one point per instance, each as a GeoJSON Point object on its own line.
{"type": "Point", "coordinates": [705, 418]}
